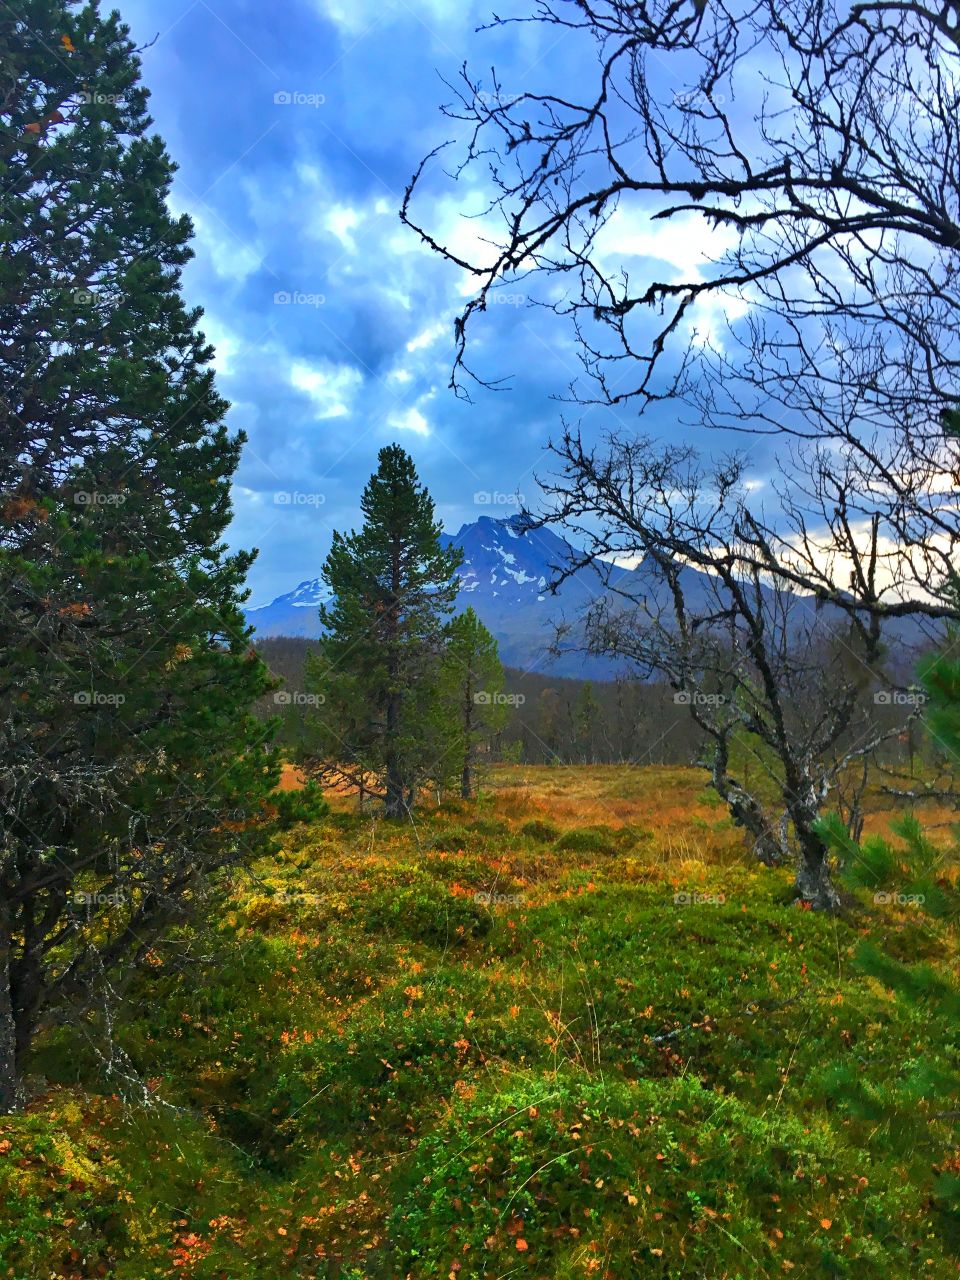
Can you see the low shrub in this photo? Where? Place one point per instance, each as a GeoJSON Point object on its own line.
{"type": "Point", "coordinates": [588, 840]}
{"type": "Point", "coordinates": [542, 832]}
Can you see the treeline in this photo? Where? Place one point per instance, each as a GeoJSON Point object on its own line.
{"type": "Point", "coordinates": [549, 720]}
{"type": "Point", "coordinates": [560, 720]}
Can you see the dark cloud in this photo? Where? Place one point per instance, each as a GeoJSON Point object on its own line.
{"type": "Point", "coordinates": [296, 129]}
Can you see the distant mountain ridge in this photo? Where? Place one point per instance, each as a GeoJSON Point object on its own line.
{"type": "Point", "coordinates": [505, 577]}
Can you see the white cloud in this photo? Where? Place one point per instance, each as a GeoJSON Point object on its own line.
{"type": "Point", "coordinates": [231, 257]}
{"type": "Point", "coordinates": [688, 243]}
{"type": "Point", "coordinates": [427, 337]}
{"type": "Point", "coordinates": [331, 387]}
{"type": "Point", "coordinates": [459, 221]}
{"type": "Point", "coordinates": [409, 420]}
{"type": "Point", "coordinates": [356, 17]}
{"type": "Point", "coordinates": [226, 343]}
{"type": "Point", "coordinates": [341, 221]}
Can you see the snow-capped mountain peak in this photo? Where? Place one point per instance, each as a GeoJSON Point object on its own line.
{"type": "Point", "coordinates": [505, 577]}
{"type": "Point", "coordinates": [505, 559]}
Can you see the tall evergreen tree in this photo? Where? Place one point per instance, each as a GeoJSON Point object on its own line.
{"type": "Point", "coordinates": [919, 1109]}
{"type": "Point", "coordinates": [393, 586]}
{"type": "Point", "coordinates": [940, 674]}
{"type": "Point", "coordinates": [131, 768]}
{"type": "Point", "coordinates": [471, 704]}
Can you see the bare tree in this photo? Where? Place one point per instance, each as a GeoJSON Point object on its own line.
{"type": "Point", "coordinates": [761, 666]}
{"type": "Point", "coordinates": [821, 141]}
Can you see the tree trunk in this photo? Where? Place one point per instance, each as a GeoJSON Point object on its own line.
{"type": "Point", "coordinates": [465, 779]}
{"type": "Point", "coordinates": [813, 882]}
{"type": "Point", "coordinates": [394, 807]}
{"type": "Point", "coordinates": [746, 811]}
{"type": "Point", "coordinates": [10, 1089]}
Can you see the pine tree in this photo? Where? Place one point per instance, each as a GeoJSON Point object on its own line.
{"type": "Point", "coordinates": [919, 1110]}
{"type": "Point", "coordinates": [940, 674]}
{"type": "Point", "coordinates": [393, 586]}
{"type": "Point", "coordinates": [470, 706]}
{"type": "Point", "coordinates": [131, 766]}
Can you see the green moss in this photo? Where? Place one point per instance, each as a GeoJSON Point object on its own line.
{"type": "Point", "coordinates": [351, 1050]}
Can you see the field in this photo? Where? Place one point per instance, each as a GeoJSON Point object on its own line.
{"type": "Point", "coordinates": [565, 1030]}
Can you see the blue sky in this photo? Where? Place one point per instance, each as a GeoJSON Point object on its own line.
{"type": "Point", "coordinates": [296, 128]}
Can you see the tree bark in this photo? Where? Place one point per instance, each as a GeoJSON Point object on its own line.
{"type": "Point", "coordinates": [10, 1087]}
{"type": "Point", "coordinates": [745, 810]}
{"type": "Point", "coordinates": [813, 882]}
{"type": "Point", "coordinates": [393, 806]}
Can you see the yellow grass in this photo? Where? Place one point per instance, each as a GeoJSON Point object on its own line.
{"type": "Point", "coordinates": [674, 805]}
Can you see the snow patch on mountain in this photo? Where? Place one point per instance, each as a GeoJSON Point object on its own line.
{"type": "Point", "coordinates": [504, 577]}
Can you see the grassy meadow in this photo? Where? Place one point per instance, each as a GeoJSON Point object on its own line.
{"type": "Point", "coordinates": [565, 1030]}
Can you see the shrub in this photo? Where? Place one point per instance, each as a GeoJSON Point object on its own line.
{"type": "Point", "coordinates": [656, 1177]}
{"type": "Point", "coordinates": [543, 832]}
{"type": "Point", "coordinates": [425, 912]}
{"type": "Point", "coordinates": [587, 840]}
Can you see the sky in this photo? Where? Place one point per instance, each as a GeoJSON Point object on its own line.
{"type": "Point", "coordinates": [296, 128]}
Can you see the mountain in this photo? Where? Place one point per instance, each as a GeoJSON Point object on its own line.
{"type": "Point", "coordinates": [294, 614]}
{"type": "Point", "coordinates": [505, 577]}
